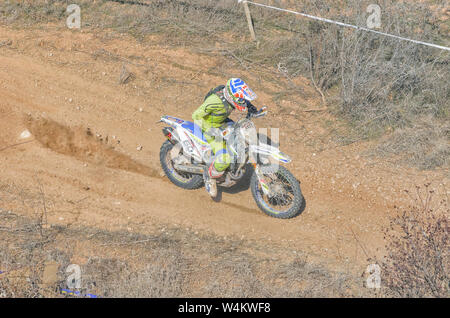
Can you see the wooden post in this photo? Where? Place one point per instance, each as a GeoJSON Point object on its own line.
{"type": "Point", "coordinates": [249, 21]}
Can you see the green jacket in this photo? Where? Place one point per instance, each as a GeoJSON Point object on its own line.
{"type": "Point", "coordinates": [212, 113]}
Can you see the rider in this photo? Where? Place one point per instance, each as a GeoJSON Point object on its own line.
{"type": "Point", "coordinates": [212, 114]}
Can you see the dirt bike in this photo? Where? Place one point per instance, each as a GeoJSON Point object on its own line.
{"type": "Point", "coordinates": [186, 154]}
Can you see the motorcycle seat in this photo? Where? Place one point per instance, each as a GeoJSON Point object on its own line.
{"type": "Point", "coordinates": [194, 129]}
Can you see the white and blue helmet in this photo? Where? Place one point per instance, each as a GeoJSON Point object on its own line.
{"type": "Point", "coordinates": [238, 93]}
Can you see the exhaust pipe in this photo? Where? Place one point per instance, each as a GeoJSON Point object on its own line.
{"type": "Point", "coordinates": [189, 169]}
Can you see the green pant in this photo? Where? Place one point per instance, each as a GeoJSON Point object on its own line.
{"type": "Point", "coordinates": [222, 158]}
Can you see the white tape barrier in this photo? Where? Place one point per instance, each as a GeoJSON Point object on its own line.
{"type": "Point", "coordinates": [346, 25]}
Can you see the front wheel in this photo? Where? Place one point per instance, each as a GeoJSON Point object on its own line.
{"type": "Point", "coordinates": [284, 199]}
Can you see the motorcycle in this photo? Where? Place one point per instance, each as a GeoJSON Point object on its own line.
{"type": "Point", "coordinates": [186, 155]}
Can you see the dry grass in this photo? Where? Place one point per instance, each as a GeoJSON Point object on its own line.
{"type": "Point", "coordinates": [426, 145]}
{"type": "Point", "coordinates": [169, 262]}
{"type": "Point", "coordinates": [159, 267]}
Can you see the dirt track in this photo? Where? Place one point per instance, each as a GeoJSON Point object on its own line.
{"type": "Point", "coordinates": [57, 84]}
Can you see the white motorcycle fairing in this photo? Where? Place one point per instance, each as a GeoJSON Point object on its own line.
{"type": "Point", "coordinates": [190, 137]}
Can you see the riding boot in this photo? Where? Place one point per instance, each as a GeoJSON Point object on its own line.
{"type": "Point", "coordinates": [210, 177]}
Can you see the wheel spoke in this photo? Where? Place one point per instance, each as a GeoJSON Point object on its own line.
{"type": "Point", "coordinates": [284, 197]}
{"type": "Point", "coordinates": [185, 175]}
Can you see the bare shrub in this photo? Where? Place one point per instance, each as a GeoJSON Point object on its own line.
{"type": "Point", "coordinates": [418, 259]}
{"type": "Point", "coordinates": [383, 83]}
{"type": "Point", "coordinates": [26, 248]}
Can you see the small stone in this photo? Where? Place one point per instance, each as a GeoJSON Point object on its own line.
{"type": "Point", "coordinates": [141, 109]}
{"type": "Point", "coordinates": [139, 148]}
{"type": "Point", "coordinates": [25, 134]}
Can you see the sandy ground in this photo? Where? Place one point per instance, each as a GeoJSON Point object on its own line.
{"type": "Point", "coordinates": [86, 129]}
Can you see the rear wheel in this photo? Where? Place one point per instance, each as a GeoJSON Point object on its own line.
{"type": "Point", "coordinates": [181, 179]}
{"type": "Point", "coordinates": [285, 199]}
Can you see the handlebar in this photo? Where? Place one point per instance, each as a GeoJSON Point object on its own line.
{"type": "Point", "coordinates": [260, 113]}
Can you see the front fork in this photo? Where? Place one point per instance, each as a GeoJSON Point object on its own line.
{"type": "Point", "coordinates": [261, 179]}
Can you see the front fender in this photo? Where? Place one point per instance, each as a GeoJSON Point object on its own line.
{"type": "Point", "coordinates": [267, 150]}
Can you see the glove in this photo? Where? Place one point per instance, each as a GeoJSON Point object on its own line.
{"type": "Point", "coordinates": [254, 112]}
{"type": "Point", "coordinates": [251, 108]}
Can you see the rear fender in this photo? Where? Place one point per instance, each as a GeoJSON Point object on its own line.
{"type": "Point", "coordinates": [171, 134]}
{"type": "Point", "coordinates": [172, 121]}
